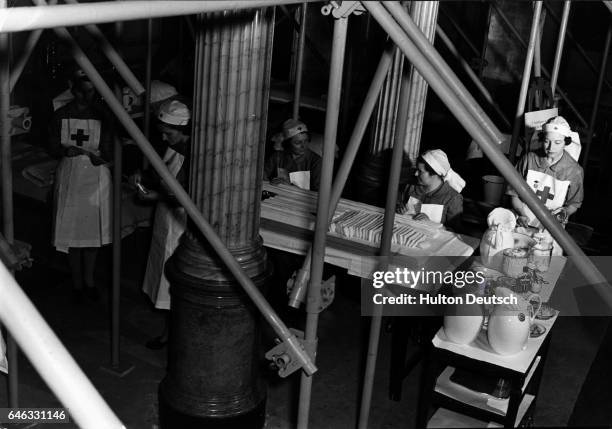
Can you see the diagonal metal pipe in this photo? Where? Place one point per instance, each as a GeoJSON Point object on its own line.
{"type": "Point", "coordinates": [51, 359]}
{"type": "Point", "coordinates": [67, 15]}
{"type": "Point", "coordinates": [518, 37]}
{"type": "Point", "coordinates": [183, 198]}
{"type": "Point", "coordinates": [560, 42]}
{"type": "Point", "coordinates": [111, 53]}
{"type": "Point", "coordinates": [458, 29]}
{"type": "Point", "coordinates": [492, 151]}
{"type": "Point", "coordinates": [433, 57]}
{"type": "Point", "coordinates": [20, 64]}
{"type": "Point", "coordinates": [520, 108]}
{"type": "Point", "coordinates": [602, 73]}
{"type": "Point", "coordinates": [369, 103]}
{"type": "Point", "coordinates": [466, 67]}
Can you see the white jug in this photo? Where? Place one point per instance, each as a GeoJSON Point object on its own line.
{"type": "Point", "coordinates": [509, 324]}
{"type": "Point", "coordinates": [462, 322]}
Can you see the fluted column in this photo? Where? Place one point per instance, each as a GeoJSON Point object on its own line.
{"type": "Point", "coordinates": [213, 378]}
{"type": "Point", "coordinates": [425, 15]}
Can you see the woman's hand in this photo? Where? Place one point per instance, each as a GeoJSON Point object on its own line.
{"type": "Point", "coordinates": [72, 151]}
{"type": "Point", "coordinates": [135, 178]}
{"type": "Point", "coordinates": [147, 194]}
{"type": "Point", "coordinates": [561, 214]}
{"type": "Point", "coordinates": [420, 216]}
{"type": "Point", "coordinates": [522, 221]}
{"type": "Point", "coordinates": [401, 209]}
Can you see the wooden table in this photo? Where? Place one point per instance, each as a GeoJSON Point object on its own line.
{"type": "Point", "coordinates": [293, 232]}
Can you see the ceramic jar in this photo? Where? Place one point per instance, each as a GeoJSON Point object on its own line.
{"type": "Point", "coordinates": [462, 323]}
{"type": "Point", "coordinates": [509, 324]}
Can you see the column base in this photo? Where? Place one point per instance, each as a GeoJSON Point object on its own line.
{"type": "Point", "coordinates": [170, 418]}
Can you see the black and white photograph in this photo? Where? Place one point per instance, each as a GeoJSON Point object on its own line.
{"type": "Point", "coordinates": [261, 214]}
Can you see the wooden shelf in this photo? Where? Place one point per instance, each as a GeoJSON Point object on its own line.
{"type": "Point", "coordinates": [444, 418]}
{"type": "Point", "coordinates": [486, 402]}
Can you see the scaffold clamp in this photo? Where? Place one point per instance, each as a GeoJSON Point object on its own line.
{"type": "Point", "coordinates": [282, 357]}
{"type": "Point", "coordinates": [342, 9]}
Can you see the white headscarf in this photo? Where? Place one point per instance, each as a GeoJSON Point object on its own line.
{"type": "Point", "coordinates": [438, 161]}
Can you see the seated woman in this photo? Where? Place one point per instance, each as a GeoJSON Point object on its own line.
{"type": "Point", "coordinates": [436, 195]}
{"type": "Point", "coordinates": [295, 157]}
{"type": "Point", "coordinates": [555, 177]}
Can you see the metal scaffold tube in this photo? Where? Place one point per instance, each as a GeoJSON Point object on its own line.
{"type": "Point", "coordinates": [20, 64]}
{"type": "Point", "coordinates": [518, 37]}
{"type": "Point", "coordinates": [51, 359]}
{"type": "Point", "coordinates": [12, 352]}
{"type": "Point", "coordinates": [112, 55]}
{"type": "Point", "coordinates": [466, 67]}
{"type": "Point", "coordinates": [385, 242]}
{"type": "Point", "coordinates": [67, 15]}
{"type": "Point", "coordinates": [299, 68]}
{"type": "Point", "coordinates": [520, 108]}
{"type": "Point", "coordinates": [602, 73]}
{"type": "Point", "coordinates": [433, 57]}
{"type": "Point", "coordinates": [146, 124]}
{"type": "Point", "coordinates": [457, 28]}
{"type": "Point", "coordinates": [323, 202]}
{"type": "Point", "coordinates": [584, 265]}
{"type": "Point", "coordinates": [299, 290]}
{"type": "Point", "coordinates": [577, 45]}
{"type": "Point", "coordinates": [560, 42]}
{"type": "Point", "coordinates": [183, 198]}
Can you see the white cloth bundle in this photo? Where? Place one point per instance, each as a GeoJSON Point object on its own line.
{"type": "Point", "coordinates": [498, 237]}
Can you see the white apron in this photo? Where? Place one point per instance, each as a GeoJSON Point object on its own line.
{"type": "Point", "coordinates": [551, 192]}
{"type": "Point", "coordinates": [168, 227]}
{"type": "Point", "coordinates": [83, 192]}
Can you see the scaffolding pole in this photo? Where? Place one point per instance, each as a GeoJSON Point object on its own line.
{"type": "Point", "coordinates": [299, 288]}
{"type": "Point", "coordinates": [12, 352]}
{"type": "Point", "coordinates": [520, 108]}
{"type": "Point", "coordinates": [111, 53]}
{"type": "Point", "coordinates": [20, 64]}
{"type": "Point", "coordinates": [492, 151]}
{"type": "Point", "coordinates": [146, 124]}
{"type": "Point", "coordinates": [518, 37]}
{"type": "Point", "coordinates": [318, 248]}
{"type": "Point", "coordinates": [602, 73]}
{"type": "Point", "coordinates": [51, 360]}
{"type": "Point", "coordinates": [459, 31]}
{"type": "Point", "coordinates": [297, 90]}
{"type": "Point", "coordinates": [68, 15]}
{"type": "Point", "coordinates": [571, 38]}
{"type": "Point", "coordinates": [183, 198]}
{"type": "Point", "coordinates": [424, 46]}
{"type": "Point", "coordinates": [475, 79]}
{"type": "Point", "coordinates": [560, 42]}
{"type": "Point", "coordinates": [385, 242]}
